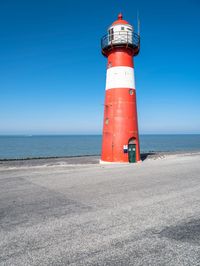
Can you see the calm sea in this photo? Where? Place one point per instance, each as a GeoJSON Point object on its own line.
{"type": "Point", "coordinates": [14, 147]}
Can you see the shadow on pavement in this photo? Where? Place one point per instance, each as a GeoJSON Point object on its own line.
{"type": "Point", "coordinates": [144, 156]}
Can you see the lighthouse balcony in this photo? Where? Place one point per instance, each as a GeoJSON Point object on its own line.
{"type": "Point", "coordinates": [120, 39]}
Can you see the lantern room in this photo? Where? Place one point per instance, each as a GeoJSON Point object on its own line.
{"type": "Point", "coordinates": [120, 34]}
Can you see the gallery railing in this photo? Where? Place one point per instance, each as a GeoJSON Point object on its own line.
{"type": "Point", "coordinates": [120, 38]}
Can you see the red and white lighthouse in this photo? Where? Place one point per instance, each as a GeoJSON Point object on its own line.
{"type": "Point", "coordinates": [120, 126]}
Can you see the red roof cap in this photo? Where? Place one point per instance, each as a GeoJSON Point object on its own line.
{"type": "Point", "coordinates": [120, 20]}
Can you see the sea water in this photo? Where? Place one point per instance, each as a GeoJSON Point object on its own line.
{"type": "Point", "coordinates": [17, 147]}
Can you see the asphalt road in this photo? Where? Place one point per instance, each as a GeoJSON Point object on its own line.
{"type": "Point", "coordinates": [89, 214]}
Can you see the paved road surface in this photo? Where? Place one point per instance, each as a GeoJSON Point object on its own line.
{"type": "Point", "coordinates": [89, 214]}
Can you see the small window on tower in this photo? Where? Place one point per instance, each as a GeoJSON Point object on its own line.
{"type": "Point", "coordinates": [131, 92]}
{"type": "Point", "coordinates": [122, 28]}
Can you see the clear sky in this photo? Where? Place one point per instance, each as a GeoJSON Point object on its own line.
{"type": "Point", "coordinates": [52, 73]}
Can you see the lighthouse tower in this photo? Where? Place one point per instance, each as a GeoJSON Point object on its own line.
{"type": "Point", "coordinates": [120, 126]}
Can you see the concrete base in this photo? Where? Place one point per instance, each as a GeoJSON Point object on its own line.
{"type": "Point", "coordinates": [105, 162]}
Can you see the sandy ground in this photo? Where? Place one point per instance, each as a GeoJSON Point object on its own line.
{"type": "Point", "coordinates": [76, 212]}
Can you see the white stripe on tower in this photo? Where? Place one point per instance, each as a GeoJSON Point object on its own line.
{"type": "Point", "coordinates": [120, 77]}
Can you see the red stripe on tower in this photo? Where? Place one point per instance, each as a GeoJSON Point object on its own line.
{"type": "Point", "coordinates": [120, 141]}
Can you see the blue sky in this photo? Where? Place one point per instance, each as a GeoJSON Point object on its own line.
{"type": "Point", "coordinates": [52, 73]}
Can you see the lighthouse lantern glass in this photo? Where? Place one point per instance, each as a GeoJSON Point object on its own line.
{"type": "Point", "coordinates": [120, 33]}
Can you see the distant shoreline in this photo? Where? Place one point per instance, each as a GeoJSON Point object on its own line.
{"type": "Point", "coordinates": [47, 157]}
{"type": "Point", "coordinates": [92, 155]}
{"type": "Point", "coordinates": [80, 160]}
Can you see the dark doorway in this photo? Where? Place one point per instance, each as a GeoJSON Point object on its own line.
{"type": "Point", "coordinates": [132, 150]}
{"type": "Point", "coordinates": [132, 153]}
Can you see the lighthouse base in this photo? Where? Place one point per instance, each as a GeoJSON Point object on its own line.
{"type": "Point", "coordinates": [106, 162]}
